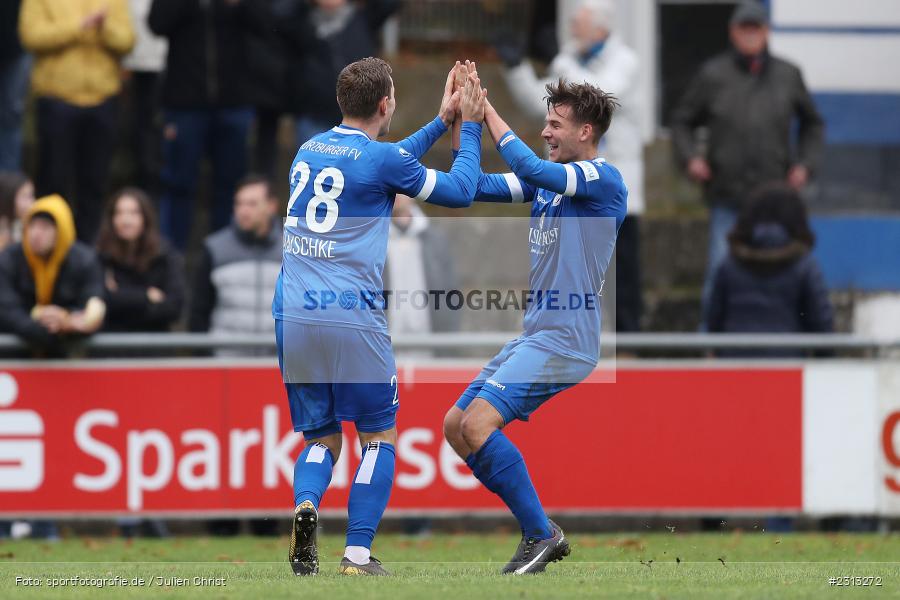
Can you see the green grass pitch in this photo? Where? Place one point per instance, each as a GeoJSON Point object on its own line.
{"type": "Point", "coordinates": [465, 567]}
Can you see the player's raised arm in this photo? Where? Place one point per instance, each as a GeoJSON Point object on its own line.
{"type": "Point", "coordinates": [422, 140]}
{"type": "Point", "coordinates": [559, 178]}
{"type": "Point", "coordinates": [457, 188]}
{"type": "Point", "coordinates": [492, 187]}
{"type": "Point", "coordinates": [578, 115]}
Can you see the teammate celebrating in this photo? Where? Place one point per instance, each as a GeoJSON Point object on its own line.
{"type": "Point", "coordinates": [333, 346]}
{"type": "Point", "coordinates": [578, 203]}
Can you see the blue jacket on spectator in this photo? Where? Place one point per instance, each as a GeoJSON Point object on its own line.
{"type": "Point", "coordinates": [772, 286]}
{"type": "Point", "coordinates": [770, 282]}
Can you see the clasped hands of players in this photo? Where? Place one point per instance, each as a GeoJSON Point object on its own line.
{"type": "Point", "coordinates": [463, 95]}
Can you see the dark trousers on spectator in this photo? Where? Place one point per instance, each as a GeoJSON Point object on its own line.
{"type": "Point", "coordinates": [189, 136]}
{"type": "Point", "coordinates": [13, 90]}
{"type": "Point", "coordinates": [145, 152]}
{"type": "Point", "coordinates": [75, 145]}
{"type": "Point", "coordinates": [721, 220]}
{"type": "Point", "coordinates": [265, 160]}
{"type": "Point", "coordinates": [629, 303]}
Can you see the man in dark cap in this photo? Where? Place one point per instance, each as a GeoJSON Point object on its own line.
{"type": "Point", "coordinates": [748, 100]}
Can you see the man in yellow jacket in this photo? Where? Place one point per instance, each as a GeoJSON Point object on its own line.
{"type": "Point", "coordinates": [77, 46]}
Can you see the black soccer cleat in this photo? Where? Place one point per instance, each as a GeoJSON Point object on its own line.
{"type": "Point", "coordinates": [373, 567]}
{"type": "Point", "coordinates": [303, 554]}
{"type": "Point", "coordinates": [533, 556]}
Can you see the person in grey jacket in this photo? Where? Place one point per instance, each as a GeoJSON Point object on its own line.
{"type": "Point", "coordinates": [770, 282]}
{"type": "Point", "coordinates": [239, 266]}
{"type": "Point", "coordinates": [596, 55]}
{"type": "Point", "coordinates": [748, 100]}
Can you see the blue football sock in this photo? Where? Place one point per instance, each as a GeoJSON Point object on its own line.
{"type": "Point", "coordinates": [499, 465]}
{"type": "Point", "coordinates": [472, 462]}
{"type": "Point", "coordinates": [369, 493]}
{"type": "Point", "coordinates": [312, 474]}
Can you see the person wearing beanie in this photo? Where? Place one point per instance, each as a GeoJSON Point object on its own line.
{"type": "Point", "coordinates": [51, 286]}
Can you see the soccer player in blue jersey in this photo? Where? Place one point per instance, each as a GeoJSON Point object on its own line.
{"type": "Point", "coordinates": [334, 349]}
{"type": "Point", "coordinates": [578, 203]}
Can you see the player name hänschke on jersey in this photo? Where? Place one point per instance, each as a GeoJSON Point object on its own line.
{"type": "Point", "coordinates": [576, 213]}
{"type": "Point", "coordinates": [335, 237]}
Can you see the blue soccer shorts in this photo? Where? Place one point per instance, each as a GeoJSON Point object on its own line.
{"type": "Point", "coordinates": [522, 376]}
{"type": "Point", "coordinates": [334, 374]}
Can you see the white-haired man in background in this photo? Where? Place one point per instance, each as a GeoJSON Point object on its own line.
{"type": "Point", "coordinates": [594, 54]}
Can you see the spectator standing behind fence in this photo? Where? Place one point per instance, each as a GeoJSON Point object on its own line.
{"type": "Point", "coordinates": [748, 100]}
{"type": "Point", "coordinates": [595, 55]}
{"type": "Point", "coordinates": [145, 65]}
{"type": "Point", "coordinates": [206, 102]}
{"type": "Point", "coordinates": [344, 31]}
{"type": "Point", "coordinates": [51, 286]}
{"type": "Point", "coordinates": [770, 282]}
{"type": "Point", "coordinates": [143, 277]}
{"type": "Point", "coordinates": [271, 53]}
{"type": "Point", "coordinates": [78, 47]}
{"type": "Point", "coordinates": [419, 259]}
{"type": "Point", "coordinates": [16, 197]}
{"type": "Point", "coordinates": [15, 65]}
{"type": "Point", "coordinates": [239, 266]}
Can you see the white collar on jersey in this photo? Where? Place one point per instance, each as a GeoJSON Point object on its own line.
{"type": "Point", "coordinates": [349, 131]}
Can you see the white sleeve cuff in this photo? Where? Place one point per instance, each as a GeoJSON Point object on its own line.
{"type": "Point", "coordinates": [428, 186]}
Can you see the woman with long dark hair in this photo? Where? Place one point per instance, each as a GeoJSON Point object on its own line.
{"type": "Point", "coordinates": [16, 197]}
{"type": "Point", "coordinates": [144, 277]}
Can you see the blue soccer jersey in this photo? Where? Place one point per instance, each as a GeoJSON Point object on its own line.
{"type": "Point", "coordinates": [335, 237]}
{"type": "Point", "coordinates": [576, 213]}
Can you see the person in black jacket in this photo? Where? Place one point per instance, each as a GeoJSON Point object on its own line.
{"type": "Point", "coordinates": [143, 277]}
{"type": "Point", "coordinates": [51, 286]}
{"type": "Point", "coordinates": [207, 103]}
{"type": "Point", "coordinates": [271, 55]}
{"type": "Point", "coordinates": [342, 31]}
{"type": "Point", "coordinates": [770, 282]}
{"type": "Point", "coordinates": [748, 100]}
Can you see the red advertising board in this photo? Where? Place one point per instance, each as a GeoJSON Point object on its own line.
{"type": "Point", "coordinates": [102, 440]}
